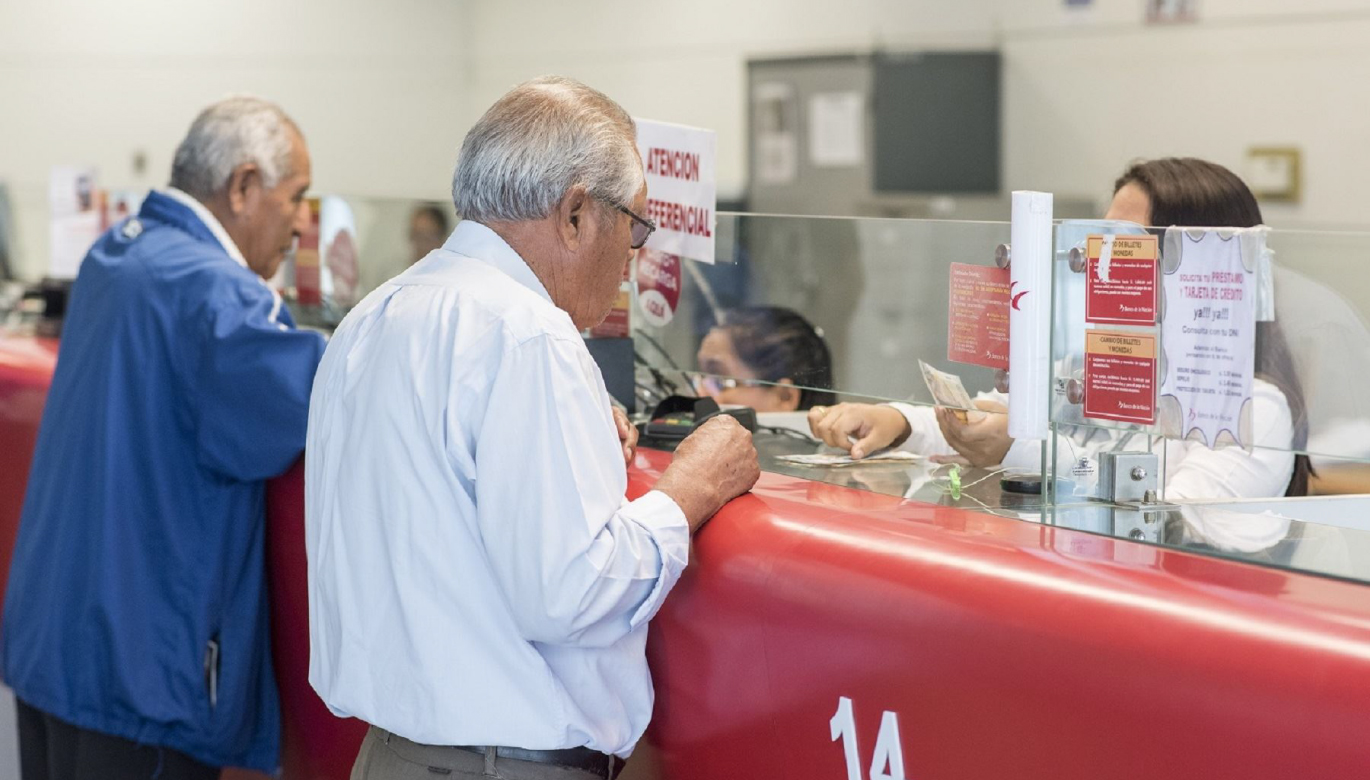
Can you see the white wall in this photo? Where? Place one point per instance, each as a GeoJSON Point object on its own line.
{"type": "Point", "coordinates": [1085, 94]}
{"type": "Point", "coordinates": [385, 91]}
{"type": "Point", "coordinates": [686, 62]}
{"type": "Point", "coordinates": [378, 88]}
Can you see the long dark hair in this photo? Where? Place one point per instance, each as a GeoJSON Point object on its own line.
{"type": "Point", "coordinates": [1196, 193]}
{"type": "Point", "coordinates": [778, 343]}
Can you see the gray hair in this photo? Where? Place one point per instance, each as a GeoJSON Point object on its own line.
{"type": "Point", "coordinates": [538, 141]}
{"type": "Point", "coordinates": [234, 131]}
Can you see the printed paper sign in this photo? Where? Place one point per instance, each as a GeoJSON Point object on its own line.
{"type": "Point", "coordinates": [977, 326]}
{"type": "Point", "coordinates": [658, 286]}
{"type": "Point", "coordinates": [1120, 280]}
{"type": "Point", "coordinates": [681, 187]}
{"type": "Point", "coordinates": [775, 117]}
{"type": "Point", "coordinates": [836, 129]}
{"type": "Point", "coordinates": [75, 219]}
{"type": "Point", "coordinates": [1120, 376]}
{"type": "Point", "coordinates": [1209, 334]}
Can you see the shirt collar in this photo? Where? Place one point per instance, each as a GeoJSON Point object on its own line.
{"type": "Point", "coordinates": [478, 242]}
{"type": "Point", "coordinates": [211, 222]}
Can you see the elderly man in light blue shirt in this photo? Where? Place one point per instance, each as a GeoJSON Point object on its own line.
{"type": "Point", "coordinates": [479, 586]}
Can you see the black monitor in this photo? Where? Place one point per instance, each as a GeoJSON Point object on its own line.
{"type": "Point", "coordinates": [615, 360]}
{"type": "Point", "coordinates": [937, 122]}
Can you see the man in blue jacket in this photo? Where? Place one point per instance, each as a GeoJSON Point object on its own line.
{"type": "Point", "coordinates": [135, 631]}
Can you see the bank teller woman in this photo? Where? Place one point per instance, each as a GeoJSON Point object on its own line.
{"type": "Point", "coordinates": [1163, 192]}
{"type": "Point", "coordinates": [767, 357]}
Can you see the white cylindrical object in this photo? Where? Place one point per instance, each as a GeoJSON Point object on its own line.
{"type": "Point", "coordinates": [1029, 320]}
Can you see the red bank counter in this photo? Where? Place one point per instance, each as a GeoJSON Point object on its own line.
{"type": "Point", "coordinates": [826, 632]}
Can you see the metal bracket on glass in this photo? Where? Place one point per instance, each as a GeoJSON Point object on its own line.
{"type": "Point", "coordinates": [1128, 480]}
{"type": "Point", "coordinates": [1078, 259]}
{"type": "Point", "coordinates": [1144, 523]}
{"type": "Point", "coordinates": [1003, 255]}
{"type": "Point", "coordinates": [1126, 477]}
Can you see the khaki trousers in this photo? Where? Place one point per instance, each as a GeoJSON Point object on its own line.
{"type": "Point", "coordinates": [386, 756]}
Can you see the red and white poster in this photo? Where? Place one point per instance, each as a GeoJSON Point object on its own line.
{"type": "Point", "coordinates": [681, 187]}
{"type": "Point", "coordinates": [1121, 280]}
{"type": "Point", "coordinates": [658, 286]}
{"type": "Point", "coordinates": [977, 322]}
{"type": "Point", "coordinates": [1120, 376]}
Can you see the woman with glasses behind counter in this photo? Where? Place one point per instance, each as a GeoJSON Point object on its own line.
{"type": "Point", "coordinates": [767, 357]}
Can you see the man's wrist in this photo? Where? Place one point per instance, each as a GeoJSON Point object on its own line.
{"type": "Point", "coordinates": [692, 499]}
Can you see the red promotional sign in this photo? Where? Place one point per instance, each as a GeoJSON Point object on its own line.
{"type": "Point", "coordinates": [1120, 280]}
{"type": "Point", "coordinates": [1120, 376]}
{"type": "Point", "coordinates": [615, 324]}
{"type": "Point", "coordinates": [658, 286]}
{"type": "Point", "coordinates": [977, 323]}
{"type": "Point", "coordinates": [307, 289]}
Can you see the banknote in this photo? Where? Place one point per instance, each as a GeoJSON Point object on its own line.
{"type": "Point", "coordinates": [886, 456]}
{"type": "Point", "coordinates": [947, 389]}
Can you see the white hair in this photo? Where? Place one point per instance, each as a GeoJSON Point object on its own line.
{"type": "Point", "coordinates": [541, 139]}
{"type": "Point", "coordinates": [229, 133]}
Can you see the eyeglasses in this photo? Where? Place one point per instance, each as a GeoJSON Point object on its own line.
{"type": "Point", "coordinates": [708, 384]}
{"type": "Point", "coordinates": [642, 228]}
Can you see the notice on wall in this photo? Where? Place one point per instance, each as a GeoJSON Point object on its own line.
{"type": "Point", "coordinates": [75, 218]}
{"type": "Point", "coordinates": [837, 130]}
{"type": "Point", "coordinates": [1209, 334]}
{"type": "Point", "coordinates": [977, 323]}
{"type": "Point", "coordinates": [682, 187]}
{"type": "Point", "coordinates": [1120, 280]}
{"type": "Point", "coordinates": [1120, 376]}
{"type": "Point", "coordinates": [1171, 11]}
{"type": "Point", "coordinates": [775, 117]}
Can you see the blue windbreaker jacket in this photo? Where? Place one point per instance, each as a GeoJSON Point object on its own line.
{"type": "Point", "coordinates": [136, 603]}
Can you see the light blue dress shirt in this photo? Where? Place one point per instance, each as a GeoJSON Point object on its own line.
{"type": "Point", "coordinates": [476, 576]}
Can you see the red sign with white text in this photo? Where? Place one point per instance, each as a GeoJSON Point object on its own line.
{"type": "Point", "coordinates": [977, 323]}
{"type": "Point", "coordinates": [1120, 280]}
{"type": "Point", "coordinates": [658, 286]}
{"type": "Point", "coordinates": [1120, 376]}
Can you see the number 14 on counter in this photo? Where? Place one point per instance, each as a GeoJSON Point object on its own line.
{"type": "Point", "coordinates": [888, 761]}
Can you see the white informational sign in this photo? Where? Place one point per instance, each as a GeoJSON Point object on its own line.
{"type": "Point", "coordinates": [339, 272]}
{"type": "Point", "coordinates": [682, 187]}
{"type": "Point", "coordinates": [1208, 334]}
{"type": "Point", "coordinates": [74, 219]}
{"type": "Point", "coordinates": [775, 116]}
{"type": "Point", "coordinates": [836, 129]}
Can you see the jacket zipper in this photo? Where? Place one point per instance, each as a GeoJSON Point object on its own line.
{"type": "Point", "coordinates": [212, 670]}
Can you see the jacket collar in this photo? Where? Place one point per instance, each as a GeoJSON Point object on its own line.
{"type": "Point", "coordinates": [180, 210]}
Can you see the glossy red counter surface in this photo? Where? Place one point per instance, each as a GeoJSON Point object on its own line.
{"type": "Point", "coordinates": [1002, 648]}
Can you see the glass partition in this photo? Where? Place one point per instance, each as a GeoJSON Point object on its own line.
{"type": "Point", "coordinates": [902, 307]}
{"type": "Point", "coordinates": [1273, 321]}
{"type": "Point", "coordinates": [1206, 391]}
